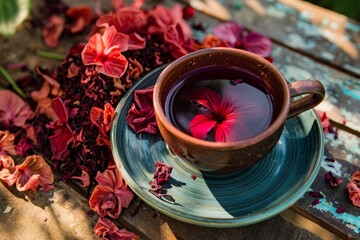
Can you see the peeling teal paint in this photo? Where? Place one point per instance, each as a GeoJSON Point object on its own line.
{"type": "Point", "coordinates": [351, 221]}
{"type": "Point", "coordinates": [352, 27]}
{"type": "Point", "coordinates": [354, 93]}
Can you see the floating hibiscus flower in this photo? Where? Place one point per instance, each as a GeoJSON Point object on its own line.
{"type": "Point", "coordinates": [234, 34]}
{"type": "Point", "coordinates": [221, 116]}
{"type": "Point", "coordinates": [13, 110]}
{"type": "Point", "coordinates": [105, 52]}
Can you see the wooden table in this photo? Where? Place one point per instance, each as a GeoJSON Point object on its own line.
{"type": "Point", "coordinates": [309, 42]}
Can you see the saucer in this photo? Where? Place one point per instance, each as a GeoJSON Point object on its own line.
{"type": "Point", "coordinates": [229, 200]}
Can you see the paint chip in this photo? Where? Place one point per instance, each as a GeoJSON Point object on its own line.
{"type": "Point", "coordinates": [8, 209]}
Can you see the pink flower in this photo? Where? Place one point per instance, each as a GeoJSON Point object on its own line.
{"type": "Point", "coordinates": [163, 18]}
{"type": "Point", "coordinates": [141, 116]}
{"type": "Point", "coordinates": [33, 172]}
{"type": "Point", "coordinates": [234, 34]}
{"type": "Point", "coordinates": [111, 195]}
{"type": "Point", "coordinates": [13, 110]}
{"type": "Point", "coordinates": [7, 143]}
{"type": "Point", "coordinates": [7, 169]}
{"type": "Point", "coordinates": [81, 17]}
{"type": "Point", "coordinates": [105, 52]}
{"type": "Point", "coordinates": [354, 189]}
{"type": "Point", "coordinates": [128, 20]}
{"type": "Point", "coordinates": [221, 115]}
{"type": "Point", "coordinates": [109, 231]}
{"type": "Point", "coordinates": [53, 30]}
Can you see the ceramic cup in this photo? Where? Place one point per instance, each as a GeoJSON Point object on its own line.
{"type": "Point", "coordinates": [289, 99]}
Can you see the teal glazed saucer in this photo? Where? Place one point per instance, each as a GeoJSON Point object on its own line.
{"type": "Point", "coordinates": [230, 200]}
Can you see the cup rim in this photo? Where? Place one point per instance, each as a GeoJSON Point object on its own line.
{"type": "Point", "coordinates": [274, 126]}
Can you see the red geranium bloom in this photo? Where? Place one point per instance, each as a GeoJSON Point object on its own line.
{"type": "Point", "coordinates": [13, 110]}
{"type": "Point", "coordinates": [234, 34]}
{"type": "Point", "coordinates": [221, 117]}
{"type": "Point", "coordinates": [141, 116]}
{"type": "Point", "coordinates": [7, 168]}
{"type": "Point", "coordinates": [109, 231]}
{"type": "Point", "coordinates": [127, 20]}
{"type": "Point", "coordinates": [33, 172]}
{"type": "Point", "coordinates": [111, 194]}
{"type": "Point", "coordinates": [105, 52]}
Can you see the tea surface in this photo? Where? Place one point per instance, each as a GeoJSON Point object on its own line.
{"type": "Point", "coordinates": [220, 103]}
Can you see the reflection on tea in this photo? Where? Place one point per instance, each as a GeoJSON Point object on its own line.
{"type": "Point", "coordinates": [219, 103]}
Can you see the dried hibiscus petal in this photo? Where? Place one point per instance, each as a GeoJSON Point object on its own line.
{"type": "Point", "coordinates": [161, 176]}
{"type": "Point", "coordinates": [332, 180]}
{"type": "Point", "coordinates": [108, 230]}
{"type": "Point", "coordinates": [141, 116]}
{"type": "Point", "coordinates": [354, 190]}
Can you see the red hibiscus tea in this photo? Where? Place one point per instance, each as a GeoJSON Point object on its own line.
{"type": "Point", "coordinates": [220, 103]}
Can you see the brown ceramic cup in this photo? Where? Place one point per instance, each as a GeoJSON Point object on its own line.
{"type": "Point", "coordinates": [231, 156]}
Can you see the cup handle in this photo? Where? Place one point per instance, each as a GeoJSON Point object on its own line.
{"type": "Point", "coordinates": [314, 93]}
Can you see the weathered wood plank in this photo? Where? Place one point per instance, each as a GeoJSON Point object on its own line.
{"type": "Point", "coordinates": [317, 32]}
{"type": "Point", "coordinates": [346, 151]}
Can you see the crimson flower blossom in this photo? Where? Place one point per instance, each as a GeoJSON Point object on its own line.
{"type": "Point", "coordinates": [104, 51]}
{"type": "Point", "coordinates": [111, 195]}
{"type": "Point", "coordinates": [13, 110]}
{"type": "Point", "coordinates": [127, 20]}
{"type": "Point", "coordinates": [234, 34]}
{"type": "Point", "coordinates": [7, 169]}
{"type": "Point", "coordinates": [141, 116]}
{"type": "Point", "coordinates": [108, 230]}
{"type": "Point", "coordinates": [33, 172]}
{"type": "Point", "coordinates": [221, 116]}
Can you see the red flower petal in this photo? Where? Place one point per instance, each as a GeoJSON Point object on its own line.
{"type": "Point", "coordinates": [115, 64]}
{"type": "Point", "coordinates": [230, 32]}
{"type": "Point", "coordinates": [206, 97]}
{"type": "Point", "coordinates": [13, 110]}
{"type": "Point", "coordinates": [59, 142]}
{"type": "Point", "coordinates": [7, 168]}
{"type": "Point", "coordinates": [175, 37]}
{"type": "Point", "coordinates": [201, 124]}
{"type": "Point", "coordinates": [81, 15]}
{"type": "Point", "coordinates": [52, 31]}
{"type": "Point", "coordinates": [257, 43]}
{"type": "Point", "coordinates": [60, 110]}
{"type": "Point", "coordinates": [93, 50]}
{"type": "Point", "coordinates": [114, 39]}
{"type": "Point", "coordinates": [111, 177]}
{"type": "Point", "coordinates": [354, 193]}
{"type": "Point", "coordinates": [108, 230]}
{"type": "Point", "coordinates": [84, 178]}
{"type": "Point", "coordinates": [33, 172]}
{"type": "Point", "coordinates": [104, 202]}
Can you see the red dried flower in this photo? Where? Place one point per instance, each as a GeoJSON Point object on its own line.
{"type": "Point", "coordinates": [111, 195]}
{"type": "Point", "coordinates": [33, 172]}
{"type": "Point", "coordinates": [332, 180]}
{"type": "Point", "coordinates": [102, 119]}
{"type": "Point", "coordinates": [53, 30]}
{"type": "Point", "coordinates": [7, 143]}
{"type": "Point", "coordinates": [141, 116]}
{"type": "Point", "coordinates": [109, 231]}
{"type": "Point", "coordinates": [84, 178]}
{"type": "Point", "coordinates": [7, 169]}
{"type": "Point", "coordinates": [13, 110]}
{"type": "Point", "coordinates": [81, 17]}
{"type": "Point", "coordinates": [325, 121]}
{"type": "Point", "coordinates": [179, 43]}
{"type": "Point", "coordinates": [105, 52]}
{"type": "Point", "coordinates": [161, 176]}
{"type": "Point", "coordinates": [354, 189]}
{"type": "Point", "coordinates": [234, 34]}
{"type": "Point", "coordinates": [127, 20]}
{"type": "Point", "coordinates": [162, 18]}
{"type": "Point", "coordinates": [340, 210]}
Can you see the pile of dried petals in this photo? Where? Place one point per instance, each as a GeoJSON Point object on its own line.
{"type": "Point", "coordinates": [68, 112]}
